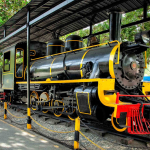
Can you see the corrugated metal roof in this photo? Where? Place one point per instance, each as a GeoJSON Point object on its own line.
{"type": "Point", "coordinates": [75, 16]}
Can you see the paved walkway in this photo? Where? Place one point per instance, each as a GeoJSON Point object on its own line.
{"type": "Point", "coordinates": [13, 138]}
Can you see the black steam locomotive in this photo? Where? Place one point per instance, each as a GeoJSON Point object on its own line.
{"type": "Point", "coordinates": [94, 83]}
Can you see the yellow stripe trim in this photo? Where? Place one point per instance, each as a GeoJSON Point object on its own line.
{"type": "Point", "coordinates": [32, 64]}
{"type": "Point", "coordinates": [61, 81]}
{"type": "Point", "coordinates": [145, 60]}
{"type": "Point", "coordinates": [88, 103]}
{"type": "Point", "coordinates": [81, 72]}
{"type": "Point", "coordinates": [51, 66]}
{"type": "Point", "coordinates": [77, 49]}
{"type": "Point", "coordinates": [29, 112]}
{"type": "Point", "coordinates": [7, 73]}
{"type": "Point", "coordinates": [117, 129]}
{"type": "Point", "coordinates": [111, 61]}
{"type": "Point", "coordinates": [118, 51]}
{"type": "Point", "coordinates": [74, 40]}
{"type": "Point", "coordinates": [25, 72]}
{"type": "Point", "coordinates": [56, 45]}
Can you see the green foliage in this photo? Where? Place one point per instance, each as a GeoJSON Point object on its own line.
{"type": "Point", "coordinates": [9, 7]}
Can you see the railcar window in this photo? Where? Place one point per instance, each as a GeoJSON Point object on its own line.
{"type": "Point", "coordinates": [32, 52]}
{"type": "Point", "coordinates": [6, 61]}
{"type": "Point", "coordinates": [19, 61]}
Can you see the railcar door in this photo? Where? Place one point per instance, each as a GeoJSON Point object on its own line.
{"type": "Point", "coordinates": [8, 69]}
{"type": "Point", "coordinates": [1, 90]}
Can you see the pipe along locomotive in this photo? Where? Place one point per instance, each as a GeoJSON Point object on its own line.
{"type": "Point", "coordinates": [94, 83]}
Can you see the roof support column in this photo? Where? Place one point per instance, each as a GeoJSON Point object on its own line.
{"type": "Point", "coordinates": [91, 28]}
{"type": "Point", "coordinates": [145, 10]}
{"type": "Point", "coordinates": [4, 31]}
{"type": "Point", "coordinates": [28, 71]}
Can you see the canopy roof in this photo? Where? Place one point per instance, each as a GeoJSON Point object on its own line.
{"type": "Point", "coordinates": [60, 16]}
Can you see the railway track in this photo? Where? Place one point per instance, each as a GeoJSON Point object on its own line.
{"type": "Point", "coordinates": [92, 126]}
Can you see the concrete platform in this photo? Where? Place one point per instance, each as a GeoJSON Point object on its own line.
{"type": "Point", "coordinates": [13, 138]}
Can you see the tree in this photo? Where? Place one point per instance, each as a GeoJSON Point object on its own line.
{"type": "Point", "coordinates": [9, 7]}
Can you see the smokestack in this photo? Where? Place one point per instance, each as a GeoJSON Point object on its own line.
{"type": "Point", "coordinates": [115, 25]}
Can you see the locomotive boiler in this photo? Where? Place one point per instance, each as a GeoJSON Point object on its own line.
{"type": "Point", "coordinates": [94, 83]}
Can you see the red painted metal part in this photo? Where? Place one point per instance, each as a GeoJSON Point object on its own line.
{"type": "Point", "coordinates": [136, 123]}
{"type": "Point", "coordinates": [117, 98]}
{"type": "Point", "coordinates": [2, 96]}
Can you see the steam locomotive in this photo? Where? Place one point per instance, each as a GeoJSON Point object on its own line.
{"type": "Point", "coordinates": [94, 83]}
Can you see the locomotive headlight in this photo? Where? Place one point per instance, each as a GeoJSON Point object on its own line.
{"type": "Point", "coordinates": [142, 37]}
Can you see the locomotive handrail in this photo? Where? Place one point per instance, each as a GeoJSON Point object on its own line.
{"type": "Point", "coordinates": [118, 50]}
{"type": "Point", "coordinates": [121, 95]}
{"type": "Point", "coordinates": [145, 60]}
{"type": "Point", "coordinates": [116, 41]}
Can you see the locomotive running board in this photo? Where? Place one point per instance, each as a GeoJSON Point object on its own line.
{"type": "Point", "coordinates": [103, 85]}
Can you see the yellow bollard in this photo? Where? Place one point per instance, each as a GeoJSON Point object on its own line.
{"type": "Point", "coordinates": [76, 137]}
{"type": "Point", "coordinates": [5, 110]}
{"type": "Point", "coordinates": [29, 118]}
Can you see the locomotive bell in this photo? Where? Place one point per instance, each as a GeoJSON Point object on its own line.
{"type": "Point", "coordinates": [73, 42]}
{"type": "Point", "coordinates": [55, 46]}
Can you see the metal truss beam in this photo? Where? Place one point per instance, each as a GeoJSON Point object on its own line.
{"type": "Point", "coordinates": [23, 17]}
{"type": "Point", "coordinates": [83, 16]}
{"type": "Point", "coordinates": [122, 27]}
{"type": "Point", "coordinates": [40, 18]}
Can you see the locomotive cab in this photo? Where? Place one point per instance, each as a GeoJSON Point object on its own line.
{"type": "Point", "coordinates": [14, 62]}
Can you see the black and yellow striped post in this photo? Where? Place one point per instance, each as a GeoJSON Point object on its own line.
{"type": "Point", "coordinates": [29, 118]}
{"type": "Point", "coordinates": [76, 137]}
{"type": "Point", "coordinates": [28, 72]}
{"type": "Point", "coordinates": [5, 110]}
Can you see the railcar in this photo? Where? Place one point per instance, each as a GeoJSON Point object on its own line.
{"type": "Point", "coordinates": [95, 83]}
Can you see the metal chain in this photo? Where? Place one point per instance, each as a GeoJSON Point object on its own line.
{"type": "Point", "coordinates": [15, 116]}
{"type": "Point", "coordinates": [110, 140]}
{"type": "Point", "coordinates": [16, 122]}
{"type": "Point", "coordinates": [91, 141]}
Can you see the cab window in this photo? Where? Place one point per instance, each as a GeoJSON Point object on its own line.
{"type": "Point", "coordinates": [6, 61]}
{"type": "Point", "coordinates": [19, 62]}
